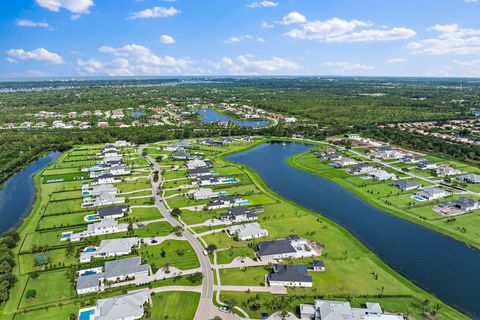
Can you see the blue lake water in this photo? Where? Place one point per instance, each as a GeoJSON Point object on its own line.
{"type": "Point", "coordinates": [137, 114]}
{"type": "Point", "coordinates": [441, 265]}
{"type": "Point", "coordinates": [209, 115]}
{"type": "Point", "coordinates": [18, 193]}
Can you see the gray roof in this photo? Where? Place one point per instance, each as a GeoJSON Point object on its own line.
{"type": "Point", "coordinates": [290, 272]}
{"type": "Point", "coordinates": [181, 153]}
{"type": "Point", "coordinates": [88, 281]}
{"type": "Point", "coordinates": [111, 211]}
{"type": "Point", "coordinates": [245, 210]}
{"type": "Point", "coordinates": [318, 264]}
{"type": "Point", "coordinates": [470, 177]}
{"type": "Point", "coordinates": [122, 307]}
{"type": "Point", "coordinates": [406, 184]}
{"type": "Point", "coordinates": [117, 268]}
{"type": "Point", "coordinates": [274, 247]}
{"type": "Point", "coordinates": [198, 171]}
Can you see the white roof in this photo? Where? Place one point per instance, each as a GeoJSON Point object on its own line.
{"type": "Point", "coordinates": [122, 307]}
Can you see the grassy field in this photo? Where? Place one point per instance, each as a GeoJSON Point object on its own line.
{"type": "Point", "coordinates": [177, 253]}
{"type": "Point", "coordinates": [174, 305]}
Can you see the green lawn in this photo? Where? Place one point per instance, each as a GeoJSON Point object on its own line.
{"type": "Point", "coordinates": [176, 305]}
{"type": "Point", "coordinates": [156, 229]}
{"type": "Point", "coordinates": [178, 253]}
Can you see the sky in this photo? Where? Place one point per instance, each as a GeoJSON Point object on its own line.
{"type": "Point", "coordinates": [73, 38]}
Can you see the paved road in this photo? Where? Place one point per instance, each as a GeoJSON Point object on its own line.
{"type": "Point", "coordinates": [206, 309]}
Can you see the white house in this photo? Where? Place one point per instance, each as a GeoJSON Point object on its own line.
{"type": "Point", "coordinates": [292, 247]}
{"type": "Point", "coordinates": [326, 310]}
{"type": "Point", "coordinates": [105, 226]}
{"type": "Point", "coordinates": [110, 248]}
{"type": "Point", "coordinates": [202, 194]}
{"type": "Point", "coordinates": [290, 275]}
{"type": "Point", "coordinates": [226, 202]}
{"type": "Point", "coordinates": [247, 231]}
{"type": "Point", "coordinates": [431, 193]}
{"type": "Point", "coordinates": [381, 175]}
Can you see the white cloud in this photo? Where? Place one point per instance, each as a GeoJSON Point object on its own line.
{"type": "Point", "coordinates": [341, 67]}
{"type": "Point", "coordinates": [11, 60]}
{"type": "Point", "coordinates": [266, 25]}
{"type": "Point", "coordinates": [74, 17]}
{"type": "Point", "coordinates": [397, 60]}
{"type": "Point", "coordinates": [39, 54]}
{"type": "Point", "coordinates": [339, 30]}
{"type": "Point", "coordinates": [133, 59]}
{"type": "Point", "coordinates": [165, 38]}
{"type": "Point", "coordinates": [74, 6]}
{"type": "Point", "coordinates": [30, 23]}
{"type": "Point", "coordinates": [294, 17]}
{"type": "Point", "coordinates": [263, 4]}
{"type": "Point", "coordinates": [245, 37]}
{"type": "Point", "coordinates": [246, 65]}
{"type": "Point", "coordinates": [155, 12]}
{"type": "Point", "coordinates": [451, 39]}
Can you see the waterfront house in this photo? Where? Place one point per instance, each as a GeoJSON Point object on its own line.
{"type": "Point", "coordinates": [463, 203]}
{"type": "Point", "coordinates": [362, 168]}
{"type": "Point", "coordinates": [344, 162]}
{"type": "Point", "coordinates": [289, 275]}
{"type": "Point", "coordinates": [431, 193]}
{"type": "Point", "coordinates": [469, 178]}
{"type": "Point", "coordinates": [406, 185]}
{"type": "Point", "coordinates": [339, 310]}
{"type": "Point", "coordinates": [292, 247]}
{"type": "Point", "coordinates": [198, 172]}
{"type": "Point", "coordinates": [105, 178]}
{"type": "Point", "coordinates": [202, 194]}
{"type": "Point", "coordinates": [110, 248]}
{"type": "Point", "coordinates": [226, 202]}
{"type": "Point", "coordinates": [244, 214]}
{"type": "Point", "coordinates": [247, 231]}
{"type": "Point", "coordinates": [381, 175]}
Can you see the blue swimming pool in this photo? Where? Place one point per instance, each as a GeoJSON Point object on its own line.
{"type": "Point", "coordinates": [85, 315]}
{"type": "Point", "coordinates": [222, 193]}
{"type": "Point", "coordinates": [89, 249]}
{"type": "Point", "coordinates": [88, 273]}
{"type": "Point", "coordinates": [244, 202]}
{"type": "Point", "coordinates": [231, 180]}
{"type": "Point", "coordinates": [418, 198]}
{"type": "Point", "coordinates": [91, 217]}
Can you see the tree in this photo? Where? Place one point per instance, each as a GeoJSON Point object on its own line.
{"type": "Point", "coordinates": [176, 212]}
{"type": "Point", "coordinates": [5, 268]}
{"type": "Point", "coordinates": [70, 249]}
{"type": "Point", "coordinates": [33, 275]}
{"type": "Point", "coordinates": [211, 248]}
{"type": "Point", "coordinates": [31, 294]}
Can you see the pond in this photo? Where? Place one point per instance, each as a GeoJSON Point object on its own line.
{"type": "Point", "coordinates": [18, 194]}
{"type": "Point", "coordinates": [209, 115]}
{"type": "Point", "coordinates": [441, 265]}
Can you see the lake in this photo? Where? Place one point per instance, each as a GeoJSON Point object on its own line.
{"type": "Point", "coordinates": [18, 194]}
{"type": "Point", "coordinates": [209, 115]}
{"type": "Point", "coordinates": [441, 265]}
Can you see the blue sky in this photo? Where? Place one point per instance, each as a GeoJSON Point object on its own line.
{"type": "Point", "coordinates": [239, 37]}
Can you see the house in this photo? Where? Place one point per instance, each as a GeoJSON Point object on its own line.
{"type": "Point", "coordinates": [119, 270]}
{"type": "Point", "coordinates": [464, 204]}
{"type": "Point", "coordinates": [110, 248]}
{"type": "Point", "coordinates": [184, 144]}
{"type": "Point", "coordinates": [97, 190]}
{"type": "Point", "coordinates": [106, 178]}
{"type": "Point", "coordinates": [247, 231]}
{"type": "Point", "coordinates": [409, 159]}
{"type": "Point", "coordinates": [406, 185]}
{"type": "Point", "coordinates": [122, 143]}
{"type": "Point", "coordinates": [118, 170]}
{"type": "Point", "coordinates": [117, 114]}
{"type": "Point", "coordinates": [445, 170]}
{"type": "Point", "coordinates": [110, 160]}
{"type": "Point", "coordinates": [339, 310]}
{"type": "Point", "coordinates": [241, 214]}
{"type": "Point", "coordinates": [292, 247]}
{"type": "Point", "coordinates": [352, 136]}
{"type": "Point", "coordinates": [92, 280]}
{"type": "Point", "coordinates": [344, 162]}
{"type": "Point", "coordinates": [125, 307]}
{"type": "Point", "coordinates": [181, 154]}
{"type": "Point", "coordinates": [211, 142]}
{"type": "Point", "coordinates": [210, 180]}
{"type": "Point", "coordinates": [202, 194]}
{"type": "Point", "coordinates": [226, 202]}
{"type": "Point", "coordinates": [431, 193]}
{"type": "Point", "coordinates": [362, 168]}
{"type": "Point", "coordinates": [112, 212]}
{"type": "Point", "coordinates": [197, 163]}
{"type": "Point", "coordinates": [105, 226]}
{"type": "Point", "coordinates": [469, 178]}
{"type": "Point", "coordinates": [426, 165]}
{"type": "Point", "coordinates": [381, 175]}
{"type": "Point", "coordinates": [103, 199]}
{"type": "Point", "coordinates": [111, 153]}
{"type": "Point", "coordinates": [318, 266]}
{"type": "Point", "coordinates": [290, 275]}
{"type": "Point", "coordinates": [110, 147]}
{"type": "Point", "coordinates": [197, 172]}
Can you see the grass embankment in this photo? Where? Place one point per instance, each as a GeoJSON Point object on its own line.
{"type": "Point", "coordinates": [465, 228]}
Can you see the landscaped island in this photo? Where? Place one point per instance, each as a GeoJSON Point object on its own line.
{"type": "Point", "coordinates": [121, 223]}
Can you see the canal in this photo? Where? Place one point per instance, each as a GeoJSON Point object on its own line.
{"type": "Point", "coordinates": [441, 265]}
{"type": "Point", "coordinates": [209, 115]}
{"type": "Point", "coordinates": [18, 193]}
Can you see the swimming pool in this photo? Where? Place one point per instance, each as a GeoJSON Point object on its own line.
{"type": "Point", "coordinates": [66, 235]}
{"type": "Point", "coordinates": [88, 273]}
{"type": "Point", "coordinates": [85, 314]}
{"type": "Point", "coordinates": [89, 249]}
{"type": "Point", "coordinates": [91, 217]}
{"type": "Point", "coordinates": [244, 202]}
{"type": "Point", "coordinates": [222, 193]}
{"type": "Point", "coordinates": [418, 198]}
{"type": "Point", "coordinates": [231, 180]}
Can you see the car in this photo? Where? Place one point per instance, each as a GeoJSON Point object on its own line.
{"type": "Point", "coordinates": [205, 253]}
{"type": "Point", "coordinates": [224, 309]}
